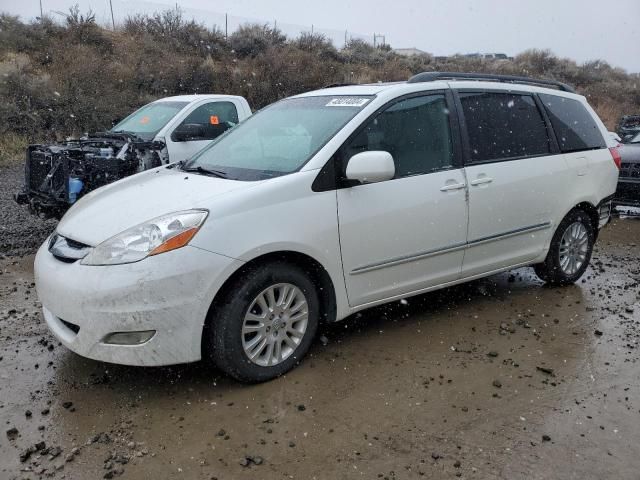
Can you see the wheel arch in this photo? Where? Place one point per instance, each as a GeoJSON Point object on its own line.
{"type": "Point", "coordinates": [319, 275]}
{"type": "Point", "coordinates": [592, 211]}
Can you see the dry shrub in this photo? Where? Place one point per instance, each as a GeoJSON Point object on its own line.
{"type": "Point", "coordinates": [62, 79]}
{"type": "Point", "coordinates": [12, 148]}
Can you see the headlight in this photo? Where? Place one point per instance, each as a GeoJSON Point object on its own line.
{"type": "Point", "coordinates": [156, 236]}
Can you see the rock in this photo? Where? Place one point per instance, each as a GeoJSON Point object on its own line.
{"type": "Point", "coordinates": [258, 460]}
{"type": "Point", "coordinates": [12, 433]}
{"type": "Point", "coordinates": [546, 438]}
{"type": "Point", "coordinates": [436, 456]}
{"type": "Point", "coordinates": [597, 333]}
{"type": "Point", "coordinates": [54, 452]}
{"type": "Point", "coordinates": [67, 405]}
{"type": "Point", "coordinates": [492, 353]}
{"type": "Point", "coordinates": [221, 432]}
{"type": "Point", "coordinates": [25, 454]}
{"type": "Point", "coordinates": [245, 462]}
{"type": "Point", "coordinates": [629, 309]}
{"type": "Point", "coordinates": [101, 437]}
{"type": "Point", "coordinates": [301, 408]}
{"type": "Point", "coordinates": [497, 383]}
{"type": "Point", "coordinates": [28, 413]}
{"type": "Point", "coordinates": [457, 464]}
{"type": "Point", "coordinates": [324, 340]}
{"type": "Point", "coordinates": [45, 411]}
{"type": "Point", "coordinates": [547, 370]}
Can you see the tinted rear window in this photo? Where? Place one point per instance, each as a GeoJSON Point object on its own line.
{"type": "Point", "coordinates": [503, 126]}
{"type": "Point", "coordinates": [574, 126]}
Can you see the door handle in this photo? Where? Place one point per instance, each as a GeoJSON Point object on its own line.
{"type": "Point", "coordinates": [481, 181]}
{"type": "Point", "coordinates": [453, 186]}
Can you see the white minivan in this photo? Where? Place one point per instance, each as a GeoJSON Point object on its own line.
{"type": "Point", "coordinates": [322, 205]}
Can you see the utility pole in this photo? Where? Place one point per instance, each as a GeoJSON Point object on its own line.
{"type": "Point", "coordinates": [275, 25]}
{"type": "Point", "coordinates": [312, 29]}
{"type": "Point", "coordinates": [376, 36]}
{"type": "Point", "coordinates": [113, 21]}
{"type": "Point", "coordinates": [41, 14]}
{"type": "Point", "coordinates": [345, 38]}
{"type": "Point", "coordinates": [226, 27]}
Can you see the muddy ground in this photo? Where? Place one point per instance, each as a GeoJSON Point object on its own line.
{"type": "Point", "coordinates": [499, 378]}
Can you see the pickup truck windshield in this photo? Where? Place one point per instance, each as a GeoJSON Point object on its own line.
{"type": "Point", "coordinates": [147, 121]}
{"type": "Point", "coordinates": [279, 139]}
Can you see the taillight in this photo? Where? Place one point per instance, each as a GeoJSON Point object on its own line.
{"type": "Point", "coordinates": [615, 154]}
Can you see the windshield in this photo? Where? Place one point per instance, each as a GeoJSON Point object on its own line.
{"type": "Point", "coordinates": [635, 139]}
{"type": "Point", "coordinates": [279, 139]}
{"type": "Point", "coordinates": [147, 121]}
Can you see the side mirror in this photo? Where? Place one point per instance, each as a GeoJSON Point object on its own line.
{"type": "Point", "coordinates": [371, 167]}
{"type": "Point", "coordinates": [188, 131]}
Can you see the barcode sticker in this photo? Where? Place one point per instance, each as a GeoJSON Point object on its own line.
{"type": "Point", "coordinates": [347, 102]}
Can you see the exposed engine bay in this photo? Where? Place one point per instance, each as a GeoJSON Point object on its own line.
{"type": "Point", "coordinates": [57, 175]}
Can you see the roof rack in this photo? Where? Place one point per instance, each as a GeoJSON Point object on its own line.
{"type": "Point", "coordinates": [433, 76]}
{"type": "Point", "coordinates": [336, 85]}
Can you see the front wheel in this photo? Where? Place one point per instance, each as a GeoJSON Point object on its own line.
{"type": "Point", "coordinates": [570, 250]}
{"type": "Point", "coordinates": [265, 323]}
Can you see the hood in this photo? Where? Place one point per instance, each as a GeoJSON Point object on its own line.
{"type": "Point", "coordinates": [109, 210]}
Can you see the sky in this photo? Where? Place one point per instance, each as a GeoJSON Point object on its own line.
{"type": "Point", "coordinates": [579, 29]}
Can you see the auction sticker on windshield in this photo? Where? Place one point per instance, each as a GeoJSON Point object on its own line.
{"type": "Point", "coordinates": [347, 102]}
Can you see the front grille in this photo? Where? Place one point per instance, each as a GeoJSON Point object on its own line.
{"type": "Point", "coordinates": [71, 326]}
{"type": "Point", "coordinates": [67, 250]}
{"type": "Point", "coordinates": [47, 173]}
{"type": "Point", "coordinates": [630, 170]}
{"type": "Point", "coordinates": [39, 167]}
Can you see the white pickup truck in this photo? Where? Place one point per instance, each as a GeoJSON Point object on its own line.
{"type": "Point", "coordinates": [167, 130]}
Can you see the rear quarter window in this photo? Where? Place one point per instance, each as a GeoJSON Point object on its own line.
{"type": "Point", "coordinates": [574, 126]}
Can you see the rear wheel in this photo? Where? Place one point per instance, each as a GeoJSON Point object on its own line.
{"type": "Point", "coordinates": [570, 250]}
{"type": "Point", "coordinates": [265, 323]}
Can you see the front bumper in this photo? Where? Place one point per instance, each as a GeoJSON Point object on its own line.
{"type": "Point", "coordinates": [169, 293]}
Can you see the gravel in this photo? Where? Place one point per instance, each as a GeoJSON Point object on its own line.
{"type": "Point", "coordinates": [21, 232]}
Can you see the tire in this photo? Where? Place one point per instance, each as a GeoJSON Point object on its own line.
{"type": "Point", "coordinates": [570, 250]}
{"type": "Point", "coordinates": [240, 308]}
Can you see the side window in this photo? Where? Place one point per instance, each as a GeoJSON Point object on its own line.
{"type": "Point", "coordinates": [501, 126]}
{"type": "Point", "coordinates": [573, 124]}
{"type": "Point", "coordinates": [215, 118]}
{"type": "Point", "coordinates": [415, 131]}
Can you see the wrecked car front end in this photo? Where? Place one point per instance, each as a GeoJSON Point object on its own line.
{"type": "Point", "coordinates": [57, 175]}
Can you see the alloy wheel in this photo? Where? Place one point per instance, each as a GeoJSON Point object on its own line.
{"type": "Point", "coordinates": [574, 246]}
{"type": "Point", "coordinates": [275, 324]}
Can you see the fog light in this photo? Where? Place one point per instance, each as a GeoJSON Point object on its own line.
{"type": "Point", "coordinates": [129, 338]}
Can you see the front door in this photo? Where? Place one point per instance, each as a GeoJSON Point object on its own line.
{"type": "Point", "coordinates": [406, 234]}
{"type": "Point", "coordinates": [215, 118]}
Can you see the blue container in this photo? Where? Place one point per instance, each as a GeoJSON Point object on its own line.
{"type": "Point", "coordinates": [75, 187]}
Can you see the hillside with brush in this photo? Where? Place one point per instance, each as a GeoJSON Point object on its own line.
{"type": "Point", "coordinates": [65, 79]}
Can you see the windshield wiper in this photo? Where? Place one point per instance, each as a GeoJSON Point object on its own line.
{"type": "Point", "coordinates": [127, 132]}
{"type": "Point", "coordinates": [205, 171]}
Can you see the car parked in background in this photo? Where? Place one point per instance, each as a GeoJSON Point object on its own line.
{"type": "Point", "coordinates": [628, 192]}
{"type": "Point", "coordinates": [322, 205]}
{"type": "Point", "coordinates": [167, 130]}
{"type": "Point", "coordinates": [628, 127]}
